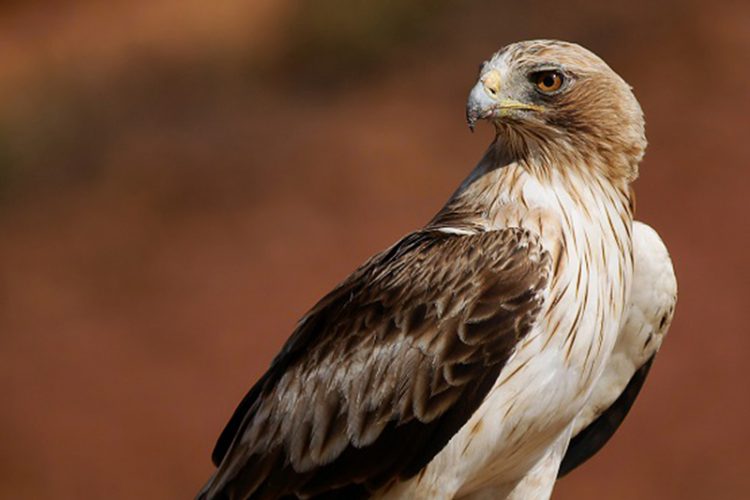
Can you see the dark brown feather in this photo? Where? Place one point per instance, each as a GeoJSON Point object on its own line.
{"type": "Point", "coordinates": [385, 369]}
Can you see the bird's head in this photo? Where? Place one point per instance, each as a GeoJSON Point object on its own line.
{"type": "Point", "coordinates": [548, 96]}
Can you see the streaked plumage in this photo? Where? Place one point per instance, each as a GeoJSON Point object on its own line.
{"type": "Point", "coordinates": [459, 362]}
{"type": "Point", "coordinates": [650, 312]}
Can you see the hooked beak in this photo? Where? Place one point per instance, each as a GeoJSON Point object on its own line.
{"type": "Point", "coordinates": [485, 101]}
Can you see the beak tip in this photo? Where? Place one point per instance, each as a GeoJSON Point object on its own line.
{"type": "Point", "coordinates": [477, 104]}
{"type": "Point", "coordinates": [471, 118]}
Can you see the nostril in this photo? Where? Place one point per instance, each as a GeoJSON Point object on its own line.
{"type": "Point", "coordinates": [492, 83]}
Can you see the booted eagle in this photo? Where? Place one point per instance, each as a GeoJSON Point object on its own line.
{"type": "Point", "coordinates": [496, 348]}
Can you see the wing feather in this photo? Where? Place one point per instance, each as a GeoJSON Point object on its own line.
{"type": "Point", "coordinates": [397, 357]}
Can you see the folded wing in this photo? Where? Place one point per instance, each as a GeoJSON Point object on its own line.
{"type": "Point", "coordinates": [384, 370]}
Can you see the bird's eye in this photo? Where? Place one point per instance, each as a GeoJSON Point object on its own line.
{"type": "Point", "coordinates": [548, 81]}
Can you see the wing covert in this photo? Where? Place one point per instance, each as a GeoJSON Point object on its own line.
{"type": "Point", "coordinates": [397, 356]}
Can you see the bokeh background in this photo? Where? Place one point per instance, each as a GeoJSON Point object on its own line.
{"type": "Point", "coordinates": [181, 180]}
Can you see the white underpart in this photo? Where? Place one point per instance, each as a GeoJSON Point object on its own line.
{"type": "Point", "coordinates": [537, 483]}
{"type": "Point", "coordinates": [650, 312]}
{"type": "Point", "coordinates": [526, 419]}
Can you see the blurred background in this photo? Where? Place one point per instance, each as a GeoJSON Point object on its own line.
{"type": "Point", "coordinates": [181, 180]}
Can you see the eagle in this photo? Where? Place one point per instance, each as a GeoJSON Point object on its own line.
{"type": "Point", "coordinates": [498, 347]}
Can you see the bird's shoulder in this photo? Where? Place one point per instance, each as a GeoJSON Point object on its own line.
{"type": "Point", "coordinates": [654, 281]}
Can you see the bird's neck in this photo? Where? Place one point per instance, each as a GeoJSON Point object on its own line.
{"type": "Point", "coordinates": [584, 220]}
{"type": "Point", "coordinates": [503, 191]}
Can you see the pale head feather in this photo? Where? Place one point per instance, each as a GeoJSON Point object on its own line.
{"type": "Point", "coordinates": [593, 122]}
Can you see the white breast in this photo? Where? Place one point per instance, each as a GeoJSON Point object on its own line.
{"type": "Point", "coordinates": [650, 311]}
{"type": "Point", "coordinates": [549, 378]}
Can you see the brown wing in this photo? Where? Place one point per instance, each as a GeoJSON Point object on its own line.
{"type": "Point", "coordinates": [385, 369]}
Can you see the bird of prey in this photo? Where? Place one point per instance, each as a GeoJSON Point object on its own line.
{"type": "Point", "coordinates": [497, 347]}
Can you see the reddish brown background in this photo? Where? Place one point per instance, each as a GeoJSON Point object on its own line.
{"type": "Point", "coordinates": [179, 182]}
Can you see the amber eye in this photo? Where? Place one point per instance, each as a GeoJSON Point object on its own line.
{"type": "Point", "coordinates": [548, 81]}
